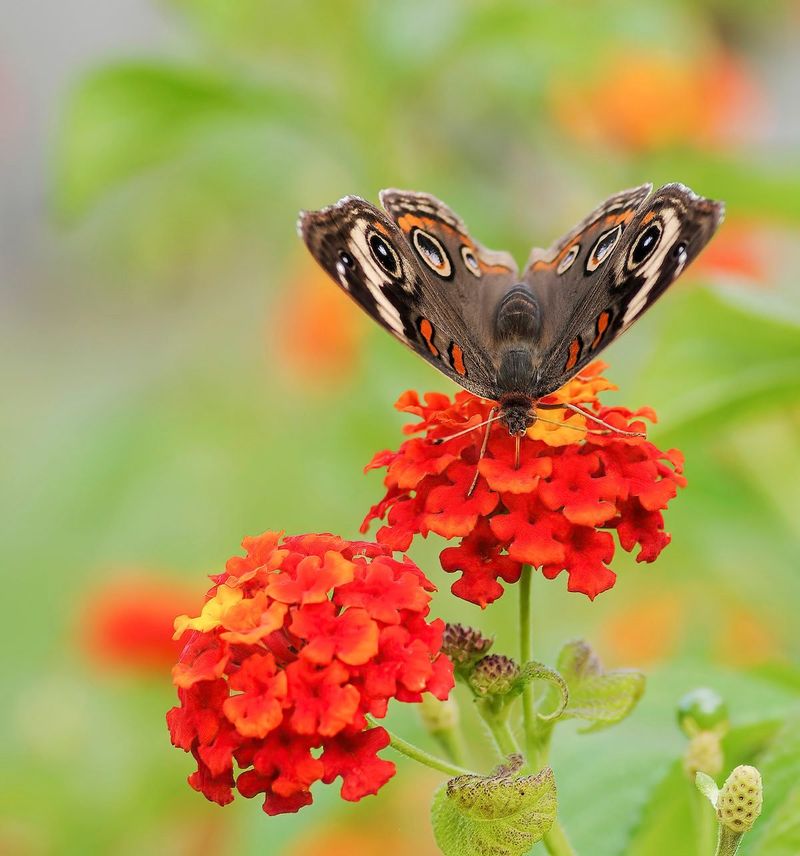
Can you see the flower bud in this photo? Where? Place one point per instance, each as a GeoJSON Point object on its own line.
{"type": "Point", "coordinates": [438, 716]}
{"type": "Point", "coordinates": [702, 710]}
{"type": "Point", "coordinates": [739, 802]}
{"type": "Point", "coordinates": [703, 755]}
{"type": "Point", "coordinates": [464, 646]}
{"type": "Point", "coordinates": [494, 675]}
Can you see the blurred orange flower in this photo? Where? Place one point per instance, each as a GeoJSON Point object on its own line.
{"type": "Point", "coordinates": [741, 250]}
{"type": "Point", "coordinates": [748, 639]}
{"type": "Point", "coordinates": [315, 333]}
{"type": "Point", "coordinates": [646, 630]}
{"type": "Point", "coordinates": [644, 101]}
{"type": "Point", "coordinates": [127, 622]}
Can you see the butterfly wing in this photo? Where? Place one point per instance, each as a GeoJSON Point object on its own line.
{"type": "Point", "coordinates": [473, 278]}
{"type": "Point", "coordinates": [369, 257]}
{"type": "Point", "coordinates": [597, 280]}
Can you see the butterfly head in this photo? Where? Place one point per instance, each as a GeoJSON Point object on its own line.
{"type": "Point", "coordinates": [517, 413]}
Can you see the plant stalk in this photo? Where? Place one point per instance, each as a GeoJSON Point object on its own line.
{"type": "Point", "coordinates": [728, 841]}
{"type": "Point", "coordinates": [420, 755]}
{"type": "Point", "coordinates": [525, 656]}
{"type": "Point", "coordinates": [556, 840]}
{"type": "Point", "coordinates": [497, 721]}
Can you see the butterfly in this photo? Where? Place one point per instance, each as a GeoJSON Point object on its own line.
{"type": "Point", "coordinates": [508, 337]}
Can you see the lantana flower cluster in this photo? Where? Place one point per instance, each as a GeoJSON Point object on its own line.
{"type": "Point", "coordinates": [575, 485]}
{"type": "Point", "coordinates": [297, 643]}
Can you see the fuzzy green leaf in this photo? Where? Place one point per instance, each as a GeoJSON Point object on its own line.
{"type": "Point", "coordinates": [707, 787]}
{"type": "Point", "coordinates": [499, 815]}
{"type": "Point", "coordinates": [538, 671]}
{"type": "Point", "coordinates": [600, 697]}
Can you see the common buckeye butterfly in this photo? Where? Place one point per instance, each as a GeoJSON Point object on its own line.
{"type": "Point", "coordinates": [507, 337]}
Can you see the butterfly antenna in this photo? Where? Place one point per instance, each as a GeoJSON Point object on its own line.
{"type": "Point", "coordinates": [517, 442]}
{"type": "Point", "coordinates": [561, 424]}
{"type": "Point", "coordinates": [488, 424]}
{"type": "Point", "coordinates": [437, 441]}
{"type": "Point", "coordinates": [575, 409]}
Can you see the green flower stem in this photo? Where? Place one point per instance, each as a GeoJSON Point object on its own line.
{"type": "Point", "coordinates": [420, 755]}
{"type": "Point", "coordinates": [537, 744]}
{"type": "Point", "coordinates": [728, 841]}
{"type": "Point", "coordinates": [451, 742]}
{"type": "Point", "coordinates": [556, 841]}
{"type": "Point", "coordinates": [497, 721]}
{"type": "Point", "coordinates": [525, 656]}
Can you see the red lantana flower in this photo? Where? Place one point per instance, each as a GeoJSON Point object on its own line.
{"type": "Point", "coordinates": [297, 642]}
{"type": "Point", "coordinates": [575, 484]}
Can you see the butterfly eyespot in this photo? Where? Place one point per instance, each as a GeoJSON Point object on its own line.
{"type": "Point", "coordinates": [432, 252]}
{"type": "Point", "coordinates": [603, 247]}
{"type": "Point", "coordinates": [566, 263]}
{"type": "Point", "coordinates": [473, 266]}
{"type": "Point", "coordinates": [344, 264]}
{"type": "Point", "coordinates": [384, 254]}
{"type": "Point", "coordinates": [681, 257]}
{"type": "Point", "coordinates": [645, 244]}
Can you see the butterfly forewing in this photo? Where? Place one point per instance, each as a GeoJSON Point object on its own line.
{"type": "Point", "coordinates": [471, 278]}
{"type": "Point", "coordinates": [609, 270]}
{"type": "Point", "coordinates": [371, 259]}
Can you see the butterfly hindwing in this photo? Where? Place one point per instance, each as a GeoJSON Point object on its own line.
{"type": "Point", "coordinates": [599, 279]}
{"type": "Point", "coordinates": [371, 259]}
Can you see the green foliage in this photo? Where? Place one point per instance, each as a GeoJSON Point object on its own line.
{"type": "Point", "coordinates": [777, 832]}
{"type": "Point", "coordinates": [133, 116]}
{"type": "Point", "coordinates": [597, 696]}
{"type": "Point", "coordinates": [498, 815]}
{"type": "Point", "coordinates": [707, 787]}
{"type": "Point", "coordinates": [538, 671]}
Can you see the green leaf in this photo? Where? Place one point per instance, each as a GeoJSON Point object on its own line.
{"type": "Point", "coordinates": [744, 362]}
{"type": "Point", "coordinates": [665, 820]}
{"type": "Point", "coordinates": [539, 671]}
{"type": "Point", "coordinates": [499, 815]}
{"type": "Point", "coordinates": [777, 832]}
{"type": "Point", "coordinates": [128, 117]}
{"type": "Point", "coordinates": [600, 697]}
{"type": "Point", "coordinates": [707, 787]}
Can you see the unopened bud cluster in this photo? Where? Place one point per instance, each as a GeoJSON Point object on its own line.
{"type": "Point", "coordinates": [464, 646]}
{"type": "Point", "coordinates": [739, 801]}
{"type": "Point", "coordinates": [494, 675]}
{"type": "Point", "coordinates": [704, 755]}
{"type": "Point", "coordinates": [703, 718]}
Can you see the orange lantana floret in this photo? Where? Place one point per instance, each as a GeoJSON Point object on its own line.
{"type": "Point", "coordinates": [297, 642]}
{"type": "Point", "coordinates": [575, 483]}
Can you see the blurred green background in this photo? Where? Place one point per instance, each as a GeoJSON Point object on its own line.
{"type": "Point", "coordinates": [177, 374]}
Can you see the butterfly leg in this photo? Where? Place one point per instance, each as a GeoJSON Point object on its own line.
{"type": "Point", "coordinates": [594, 418]}
{"type": "Point", "coordinates": [483, 449]}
